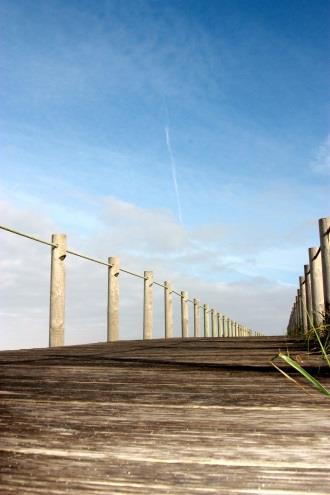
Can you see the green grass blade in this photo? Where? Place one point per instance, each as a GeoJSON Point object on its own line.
{"type": "Point", "coordinates": [324, 352]}
{"type": "Point", "coordinates": [289, 377]}
{"type": "Point", "coordinates": [308, 377]}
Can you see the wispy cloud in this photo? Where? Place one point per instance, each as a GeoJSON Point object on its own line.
{"type": "Point", "coordinates": [321, 163]}
{"type": "Point", "coordinates": [173, 169]}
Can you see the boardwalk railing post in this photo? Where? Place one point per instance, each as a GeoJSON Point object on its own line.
{"type": "Point", "coordinates": [324, 226]}
{"type": "Point", "coordinates": [197, 319]}
{"type": "Point", "coordinates": [148, 305]}
{"type": "Point", "coordinates": [113, 299]}
{"type": "Point", "coordinates": [184, 314]}
{"type": "Point", "coordinates": [219, 318]}
{"type": "Point", "coordinates": [315, 266]}
{"type": "Point", "coordinates": [168, 310]}
{"type": "Point", "coordinates": [206, 321]}
{"type": "Point", "coordinates": [309, 307]}
{"type": "Point", "coordinates": [225, 325]}
{"type": "Point", "coordinates": [300, 312]}
{"type": "Point", "coordinates": [302, 286]}
{"type": "Point", "coordinates": [57, 291]}
{"type": "Point", "coordinates": [297, 320]}
{"type": "Point", "coordinates": [214, 323]}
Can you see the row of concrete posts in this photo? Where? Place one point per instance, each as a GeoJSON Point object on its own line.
{"type": "Point", "coordinates": [215, 324]}
{"type": "Point", "coordinates": [311, 307]}
{"type": "Point", "coordinates": [207, 322]}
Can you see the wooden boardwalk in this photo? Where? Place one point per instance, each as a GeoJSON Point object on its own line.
{"type": "Point", "coordinates": [192, 416]}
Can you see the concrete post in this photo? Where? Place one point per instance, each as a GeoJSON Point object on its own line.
{"type": "Point", "coordinates": [206, 321]}
{"type": "Point", "coordinates": [168, 310]}
{"type": "Point", "coordinates": [293, 325]}
{"type": "Point", "coordinates": [148, 305]}
{"type": "Point", "coordinates": [292, 322]}
{"type": "Point", "coordinates": [289, 327]}
{"type": "Point", "coordinates": [113, 299]}
{"type": "Point", "coordinates": [224, 326]}
{"type": "Point", "coordinates": [302, 286]}
{"type": "Point", "coordinates": [324, 226]}
{"type": "Point", "coordinates": [300, 312]}
{"type": "Point", "coordinates": [184, 314]}
{"type": "Point", "coordinates": [57, 291]}
{"type": "Point", "coordinates": [315, 265]}
{"type": "Point", "coordinates": [309, 306]}
{"type": "Point", "coordinates": [220, 328]}
{"type": "Point", "coordinates": [211, 322]}
{"type": "Point", "coordinates": [296, 316]}
{"type": "Point", "coordinates": [197, 319]}
{"type": "Point", "coordinates": [231, 328]}
{"type": "Point", "coordinates": [214, 323]}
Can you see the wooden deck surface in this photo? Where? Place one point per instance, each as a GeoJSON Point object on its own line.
{"type": "Point", "coordinates": [192, 416]}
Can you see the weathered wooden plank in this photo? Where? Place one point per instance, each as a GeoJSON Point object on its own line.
{"type": "Point", "coordinates": [243, 351]}
{"type": "Point", "coordinates": [76, 420]}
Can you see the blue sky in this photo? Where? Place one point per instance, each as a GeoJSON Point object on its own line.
{"type": "Point", "coordinates": [89, 88]}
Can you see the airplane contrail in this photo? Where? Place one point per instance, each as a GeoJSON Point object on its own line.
{"type": "Point", "coordinates": [173, 168]}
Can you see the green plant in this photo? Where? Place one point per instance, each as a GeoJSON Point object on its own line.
{"type": "Point", "coordinates": [319, 335]}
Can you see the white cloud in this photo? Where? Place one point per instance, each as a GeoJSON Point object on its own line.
{"type": "Point", "coordinates": [144, 239]}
